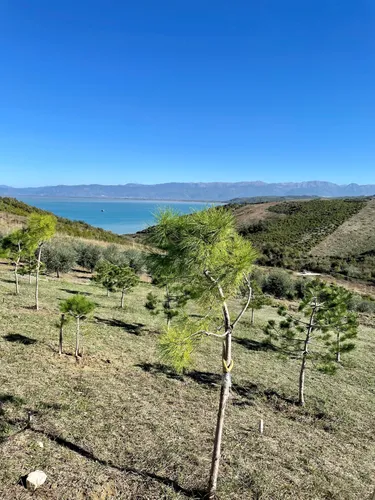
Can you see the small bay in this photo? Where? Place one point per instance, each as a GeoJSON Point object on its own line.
{"type": "Point", "coordinates": [116, 215]}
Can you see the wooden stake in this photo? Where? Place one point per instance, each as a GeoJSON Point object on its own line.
{"type": "Point", "coordinates": [261, 426]}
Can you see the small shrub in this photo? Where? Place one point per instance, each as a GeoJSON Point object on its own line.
{"type": "Point", "coordinates": [279, 284]}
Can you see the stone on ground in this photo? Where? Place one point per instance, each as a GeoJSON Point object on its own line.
{"type": "Point", "coordinates": [35, 479]}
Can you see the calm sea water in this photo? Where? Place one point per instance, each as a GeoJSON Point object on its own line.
{"type": "Point", "coordinates": [118, 216]}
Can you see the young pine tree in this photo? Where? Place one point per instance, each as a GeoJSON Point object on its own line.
{"type": "Point", "coordinates": [126, 280]}
{"type": "Point", "coordinates": [176, 296]}
{"type": "Point", "coordinates": [79, 307]}
{"type": "Point", "coordinates": [105, 275]}
{"type": "Point", "coordinates": [205, 252]}
{"type": "Point", "coordinates": [315, 333]}
{"type": "Point", "coordinates": [15, 247]}
{"type": "Point", "coordinates": [40, 229]}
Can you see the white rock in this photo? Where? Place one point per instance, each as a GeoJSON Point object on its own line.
{"type": "Point", "coordinates": [35, 479]}
{"type": "Point", "coordinates": [40, 444]}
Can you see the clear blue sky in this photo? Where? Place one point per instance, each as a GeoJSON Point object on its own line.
{"type": "Point", "coordinates": [201, 90]}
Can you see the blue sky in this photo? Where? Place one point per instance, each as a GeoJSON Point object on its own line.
{"type": "Point", "coordinates": [155, 91]}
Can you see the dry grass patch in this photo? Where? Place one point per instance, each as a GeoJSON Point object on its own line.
{"type": "Point", "coordinates": [354, 237]}
{"type": "Point", "coordinates": [120, 425]}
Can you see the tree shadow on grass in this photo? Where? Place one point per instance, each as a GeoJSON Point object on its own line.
{"type": "Point", "coordinates": [75, 292]}
{"type": "Point", "coordinates": [246, 395]}
{"type": "Point", "coordinates": [6, 280]}
{"type": "Point", "coordinates": [5, 400]}
{"type": "Point", "coordinates": [157, 368]}
{"type": "Point", "coordinates": [254, 345]}
{"type": "Point", "coordinates": [132, 328]}
{"type": "Point", "coordinates": [243, 395]}
{"type": "Point", "coordinates": [190, 493]}
{"type": "Point", "coordinates": [19, 338]}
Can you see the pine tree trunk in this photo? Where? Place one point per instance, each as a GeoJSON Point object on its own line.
{"type": "Point", "coordinates": [167, 306]}
{"type": "Point", "coordinates": [224, 396]}
{"type": "Point", "coordinates": [16, 279]}
{"type": "Point", "coordinates": [301, 389]}
{"type": "Point", "coordinates": [107, 292]}
{"type": "Point", "coordinates": [122, 299]}
{"type": "Point", "coordinates": [37, 278]}
{"type": "Point", "coordinates": [61, 334]}
{"type": "Point", "coordinates": [57, 274]}
{"type": "Point", "coordinates": [252, 317]}
{"type": "Point", "coordinates": [338, 348]}
{"type": "Point", "coordinates": [77, 340]}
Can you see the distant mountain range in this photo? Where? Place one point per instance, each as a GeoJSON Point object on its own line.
{"type": "Point", "coordinates": [196, 191]}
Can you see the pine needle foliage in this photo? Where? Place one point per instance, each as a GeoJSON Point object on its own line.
{"type": "Point", "coordinates": [177, 344]}
{"type": "Point", "coordinates": [205, 241]}
{"type": "Point", "coordinates": [77, 306]}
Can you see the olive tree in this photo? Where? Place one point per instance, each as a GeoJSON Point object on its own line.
{"type": "Point", "coordinates": [323, 323]}
{"type": "Point", "coordinates": [40, 229]}
{"type": "Point", "coordinates": [79, 307]}
{"type": "Point", "coordinates": [59, 257]}
{"type": "Point", "coordinates": [88, 255]}
{"type": "Point", "coordinates": [204, 251]}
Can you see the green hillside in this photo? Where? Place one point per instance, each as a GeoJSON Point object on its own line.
{"type": "Point", "coordinates": [325, 235]}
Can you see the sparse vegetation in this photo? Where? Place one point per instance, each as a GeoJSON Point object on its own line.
{"type": "Point", "coordinates": [120, 409]}
{"type": "Point", "coordinates": [133, 427]}
{"type": "Point", "coordinates": [312, 235]}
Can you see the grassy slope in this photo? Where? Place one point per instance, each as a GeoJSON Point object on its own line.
{"type": "Point", "coordinates": [119, 426]}
{"type": "Point", "coordinates": [354, 237]}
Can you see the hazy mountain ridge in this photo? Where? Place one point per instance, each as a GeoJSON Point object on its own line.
{"type": "Point", "coordinates": [210, 191]}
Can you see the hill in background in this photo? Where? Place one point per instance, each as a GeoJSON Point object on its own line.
{"type": "Point", "coordinates": [335, 236]}
{"type": "Point", "coordinates": [190, 191]}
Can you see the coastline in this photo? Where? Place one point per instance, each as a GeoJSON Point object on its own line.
{"type": "Point", "coordinates": [107, 198]}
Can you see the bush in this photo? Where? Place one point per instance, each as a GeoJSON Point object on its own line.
{"type": "Point", "coordinates": [279, 284]}
{"type": "Point", "coordinates": [259, 277]}
{"type": "Point", "coordinates": [59, 256]}
{"type": "Point", "coordinates": [114, 255]}
{"type": "Point", "coordinates": [300, 286]}
{"type": "Point", "coordinates": [88, 255]}
{"type": "Point", "coordinates": [136, 260]}
{"type": "Point", "coordinates": [360, 304]}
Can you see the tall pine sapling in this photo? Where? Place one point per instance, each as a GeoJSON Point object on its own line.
{"type": "Point", "coordinates": [79, 307]}
{"type": "Point", "coordinates": [258, 300]}
{"type": "Point", "coordinates": [15, 247]}
{"type": "Point", "coordinates": [323, 314]}
{"type": "Point", "coordinates": [205, 252]}
{"type": "Point", "coordinates": [105, 275]}
{"type": "Point", "coordinates": [176, 296]}
{"type": "Point", "coordinates": [63, 320]}
{"type": "Point", "coordinates": [345, 325]}
{"type": "Point", "coordinates": [40, 229]}
{"type": "Point", "coordinates": [125, 280]}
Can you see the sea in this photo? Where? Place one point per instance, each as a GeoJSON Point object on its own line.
{"type": "Point", "coordinates": [116, 215]}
